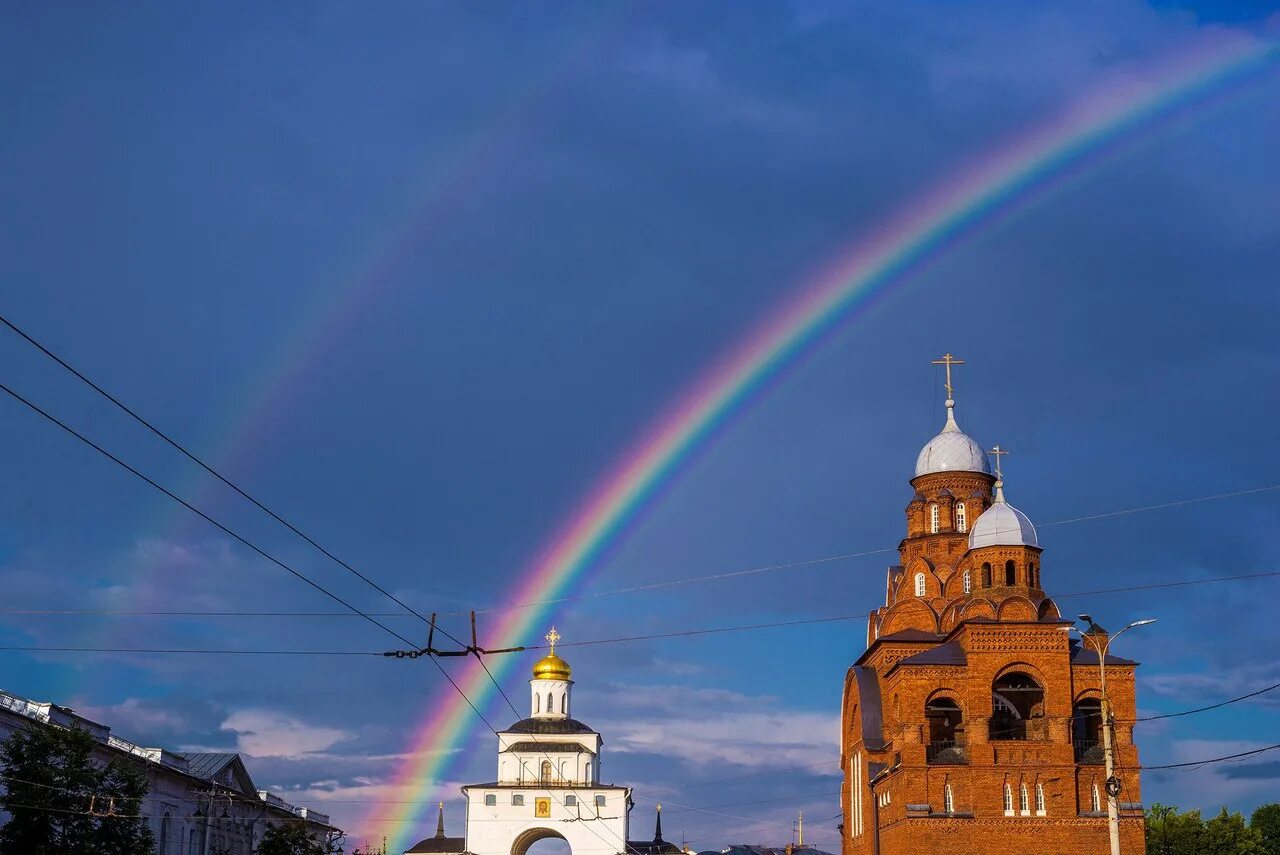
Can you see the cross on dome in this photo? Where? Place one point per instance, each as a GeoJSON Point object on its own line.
{"type": "Point", "coordinates": [552, 637]}
{"type": "Point", "coordinates": [948, 360]}
{"type": "Point", "coordinates": [952, 450]}
{"type": "Point", "coordinates": [997, 452]}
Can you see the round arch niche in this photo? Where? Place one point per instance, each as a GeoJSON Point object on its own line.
{"type": "Point", "coordinates": [525, 842]}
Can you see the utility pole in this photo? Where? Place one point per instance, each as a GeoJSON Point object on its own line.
{"type": "Point", "coordinates": [1101, 643]}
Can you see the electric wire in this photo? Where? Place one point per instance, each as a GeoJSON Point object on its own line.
{"type": "Point", "coordinates": [223, 528]}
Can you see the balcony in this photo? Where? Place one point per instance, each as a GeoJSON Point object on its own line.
{"type": "Point", "coordinates": [1089, 752]}
{"type": "Point", "coordinates": [945, 753]}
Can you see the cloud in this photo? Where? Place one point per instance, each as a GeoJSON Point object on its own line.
{"type": "Point", "coordinates": [716, 725]}
{"type": "Point", "coordinates": [135, 716]}
{"type": "Point", "coordinates": [266, 733]}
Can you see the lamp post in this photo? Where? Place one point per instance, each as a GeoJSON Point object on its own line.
{"type": "Point", "coordinates": [1101, 643]}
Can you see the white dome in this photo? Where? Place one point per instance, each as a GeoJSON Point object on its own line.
{"type": "Point", "coordinates": [1002, 525]}
{"type": "Point", "coordinates": [952, 451]}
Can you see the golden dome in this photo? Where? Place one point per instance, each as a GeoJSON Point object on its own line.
{"type": "Point", "coordinates": [551, 666]}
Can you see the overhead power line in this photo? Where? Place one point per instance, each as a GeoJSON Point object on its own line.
{"type": "Point", "coordinates": [215, 473]}
{"type": "Point", "coordinates": [223, 528]}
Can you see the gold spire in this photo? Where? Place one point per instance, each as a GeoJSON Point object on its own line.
{"type": "Point", "coordinates": [551, 666]}
{"type": "Point", "coordinates": [948, 360]}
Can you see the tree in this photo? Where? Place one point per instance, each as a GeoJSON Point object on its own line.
{"type": "Point", "coordinates": [1266, 821]}
{"type": "Point", "coordinates": [291, 838]}
{"type": "Point", "coordinates": [1173, 833]}
{"type": "Point", "coordinates": [1227, 834]}
{"type": "Point", "coordinates": [60, 800]}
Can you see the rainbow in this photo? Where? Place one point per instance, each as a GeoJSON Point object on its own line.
{"type": "Point", "coordinates": [975, 199]}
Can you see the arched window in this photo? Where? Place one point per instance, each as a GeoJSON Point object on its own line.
{"type": "Point", "coordinates": [935, 519]}
{"type": "Point", "coordinates": [563, 708]}
{"type": "Point", "coordinates": [948, 803]}
{"type": "Point", "coordinates": [537, 704]}
{"type": "Point", "coordinates": [1008, 799]}
{"type": "Point", "coordinates": [968, 583]}
{"type": "Point", "coordinates": [1024, 804]}
{"type": "Point", "coordinates": [1010, 573]}
{"type": "Point", "coordinates": [943, 718]}
{"type": "Point", "coordinates": [1032, 579]}
{"type": "Point", "coordinates": [1039, 799]}
{"type": "Point", "coordinates": [546, 772]}
{"type": "Point", "coordinates": [551, 704]}
{"type": "Point", "coordinates": [986, 574]}
{"type": "Point", "coordinates": [1086, 730]}
{"type": "Point", "coordinates": [167, 821]}
{"type": "Point", "coordinates": [919, 584]}
{"type": "Point", "coordinates": [1016, 698]}
{"type": "Point", "coordinates": [586, 773]}
{"type": "Point", "coordinates": [962, 518]}
{"type": "Point", "coordinates": [1095, 803]}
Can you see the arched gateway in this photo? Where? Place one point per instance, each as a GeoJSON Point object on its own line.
{"type": "Point", "coordinates": [548, 784]}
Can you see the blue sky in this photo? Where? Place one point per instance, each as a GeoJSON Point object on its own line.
{"type": "Point", "coordinates": [488, 244]}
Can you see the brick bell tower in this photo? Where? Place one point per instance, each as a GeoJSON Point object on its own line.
{"type": "Point", "coordinates": [972, 723]}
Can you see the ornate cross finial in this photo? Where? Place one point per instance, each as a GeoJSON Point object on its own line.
{"type": "Point", "coordinates": [997, 452]}
{"type": "Point", "coordinates": [552, 637]}
{"type": "Point", "coordinates": [948, 360]}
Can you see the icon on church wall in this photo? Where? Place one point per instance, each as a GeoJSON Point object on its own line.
{"type": "Point", "coordinates": [542, 808]}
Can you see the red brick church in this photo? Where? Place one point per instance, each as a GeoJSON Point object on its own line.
{"type": "Point", "coordinates": [972, 722]}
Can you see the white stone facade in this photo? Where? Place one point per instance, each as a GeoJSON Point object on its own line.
{"type": "Point", "coordinates": [196, 803]}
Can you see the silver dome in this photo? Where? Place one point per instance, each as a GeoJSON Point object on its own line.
{"type": "Point", "coordinates": [952, 451]}
{"type": "Point", "coordinates": [1002, 525]}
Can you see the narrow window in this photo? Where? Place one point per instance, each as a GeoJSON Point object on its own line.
{"type": "Point", "coordinates": [518, 799]}
{"type": "Point", "coordinates": [1095, 803]}
{"type": "Point", "coordinates": [551, 706]}
{"type": "Point", "coordinates": [1010, 573]}
{"type": "Point", "coordinates": [490, 800]}
{"type": "Point", "coordinates": [986, 574]}
{"type": "Point", "coordinates": [968, 583]}
{"type": "Point", "coordinates": [587, 773]}
{"type": "Point", "coordinates": [919, 584]}
{"type": "Point", "coordinates": [563, 709]}
{"type": "Point", "coordinates": [962, 518]}
{"type": "Point", "coordinates": [1039, 799]}
{"type": "Point", "coordinates": [948, 803]}
{"type": "Point", "coordinates": [935, 519]}
{"type": "Point", "coordinates": [537, 704]}
{"type": "Point", "coordinates": [191, 842]}
{"type": "Point", "coordinates": [599, 801]}
{"type": "Point", "coordinates": [1034, 573]}
{"type": "Point", "coordinates": [546, 771]}
{"type": "Point", "coordinates": [1008, 800]}
{"type": "Point", "coordinates": [1024, 803]}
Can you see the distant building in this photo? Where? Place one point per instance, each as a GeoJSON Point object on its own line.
{"type": "Point", "coordinates": [196, 803]}
{"type": "Point", "coordinates": [548, 786]}
{"type": "Point", "coordinates": [972, 721]}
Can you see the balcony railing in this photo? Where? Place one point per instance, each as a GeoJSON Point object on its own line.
{"type": "Point", "coordinates": [1089, 752]}
{"type": "Point", "coordinates": [945, 753]}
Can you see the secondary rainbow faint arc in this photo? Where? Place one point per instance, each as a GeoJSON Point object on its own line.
{"type": "Point", "coordinates": [975, 197]}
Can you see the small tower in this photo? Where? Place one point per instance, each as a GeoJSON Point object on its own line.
{"type": "Point", "coordinates": [551, 689]}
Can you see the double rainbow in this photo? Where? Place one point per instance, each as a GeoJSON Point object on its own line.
{"type": "Point", "coordinates": [973, 200]}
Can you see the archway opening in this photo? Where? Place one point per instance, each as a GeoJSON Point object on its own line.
{"type": "Point", "coordinates": [540, 841]}
{"type": "Point", "coordinates": [1016, 698]}
{"type": "Point", "coordinates": [1086, 730]}
{"type": "Point", "coordinates": [946, 731]}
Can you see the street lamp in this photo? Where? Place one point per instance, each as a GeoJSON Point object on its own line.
{"type": "Point", "coordinates": [1101, 643]}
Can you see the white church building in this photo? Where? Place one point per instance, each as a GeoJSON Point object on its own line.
{"type": "Point", "coordinates": [549, 784]}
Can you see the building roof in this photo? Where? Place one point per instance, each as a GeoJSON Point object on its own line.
{"type": "Point", "coordinates": [872, 717]}
{"type": "Point", "coordinates": [549, 726]}
{"type": "Point", "coordinates": [950, 653]}
{"type": "Point", "coordinates": [1002, 525]}
{"type": "Point", "coordinates": [550, 747]}
{"type": "Point", "coordinates": [952, 450]}
{"type": "Point", "coordinates": [1084, 656]}
{"type": "Point", "coordinates": [450, 845]}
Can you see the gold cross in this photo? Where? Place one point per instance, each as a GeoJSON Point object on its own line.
{"type": "Point", "coordinates": [997, 452]}
{"type": "Point", "coordinates": [948, 360]}
{"type": "Point", "coordinates": [552, 637]}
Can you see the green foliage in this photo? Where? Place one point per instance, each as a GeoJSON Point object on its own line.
{"type": "Point", "coordinates": [60, 800]}
{"type": "Point", "coordinates": [1266, 821]}
{"type": "Point", "coordinates": [291, 838]}
{"type": "Point", "coordinates": [1172, 833]}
